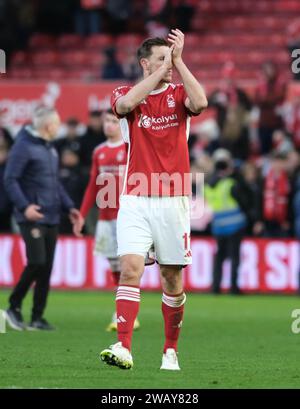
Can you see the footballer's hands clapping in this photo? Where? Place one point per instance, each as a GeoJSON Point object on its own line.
{"type": "Point", "coordinates": [176, 38]}
{"type": "Point", "coordinates": [168, 63]}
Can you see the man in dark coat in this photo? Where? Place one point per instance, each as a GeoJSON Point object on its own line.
{"type": "Point", "coordinates": [32, 182]}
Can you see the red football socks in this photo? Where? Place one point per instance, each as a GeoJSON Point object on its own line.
{"type": "Point", "coordinates": [172, 309]}
{"type": "Point", "coordinates": [127, 303]}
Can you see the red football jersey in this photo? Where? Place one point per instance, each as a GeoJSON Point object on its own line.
{"type": "Point", "coordinates": [106, 178]}
{"type": "Point", "coordinates": [156, 133]}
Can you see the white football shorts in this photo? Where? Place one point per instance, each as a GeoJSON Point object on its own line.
{"type": "Point", "coordinates": [162, 222]}
{"type": "Point", "coordinates": [106, 238]}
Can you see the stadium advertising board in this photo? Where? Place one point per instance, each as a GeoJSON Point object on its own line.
{"type": "Point", "coordinates": [267, 265]}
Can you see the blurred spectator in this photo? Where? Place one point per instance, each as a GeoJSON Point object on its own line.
{"type": "Point", "coordinates": [206, 138]}
{"type": "Point", "coordinates": [137, 21]}
{"type": "Point", "coordinates": [112, 69]}
{"type": "Point", "coordinates": [252, 177]}
{"type": "Point", "coordinates": [55, 16]}
{"type": "Point", "coordinates": [201, 214]}
{"type": "Point", "coordinates": [158, 17]}
{"type": "Point", "coordinates": [5, 136]}
{"type": "Point", "coordinates": [71, 140]}
{"type": "Point", "coordinates": [131, 69]}
{"type": "Point", "coordinates": [270, 94]}
{"type": "Point", "coordinates": [293, 34]}
{"type": "Point", "coordinates": [88, 17]}
{"type": "Point", "coordinates": [292, 119]}
{"type": "Point", "coordinates": [293, 169]}
{"type": "Point", "coordinates": [92, 137]}
{"type": "Point", "coordinates": [204, 164]}
{"type": "Point", "coordinates": [26, 14]}
{"type": "Point", "coordinates": [118, 13]}
{"type": "Point", "coordinates": [276, 209]}
{"type": "Point", "coordinates": [228, 195]}
{"type": "Point", "coordinates": [233, 110]}
{"type": "Point", "coordinates": [183, 12]}
{"type": "Point", "coordinates": [281, 143]}
{"type": "Point", "coordinates": [293, 39]}
{"type": "Point", "coordinates": [74, 182]}
{"type": "Point", "coordinates": [8, 24]}
{"type": "Point", "coordinates": [6, 208]}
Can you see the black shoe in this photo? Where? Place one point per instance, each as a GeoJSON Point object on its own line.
{"type": "Point", "coordinates": [40, 324]}
{"type": "Point", "coordinates": [14, 319]}
{"type": "Point", "coordinates": [216, 291]}
{"type": "Point", "coordinates": [236, 291]}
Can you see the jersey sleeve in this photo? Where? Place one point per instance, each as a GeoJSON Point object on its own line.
{"type": "Point", "coordinates": [90, 194]}
{"type": "Point", "coordinates": [182, 95]}
{"type": "Point", "coordinates": [118, 93]}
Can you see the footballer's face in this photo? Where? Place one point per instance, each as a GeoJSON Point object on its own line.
{"type": "Point", "coordinates": [156, 60]}
{"type": "Point", "coordinates": [111, 126]}
{"type": "Point", "coordinates": [52, 127]}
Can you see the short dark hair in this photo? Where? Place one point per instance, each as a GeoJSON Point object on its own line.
{"type": "Point", "coordinates": [109, 111]}
{"type": "Point", "coordinates": [72, 121]}
{"type": "Point", "coordinates": [95, 113]}
{"type": "Point", "coordinates": [145, 49]}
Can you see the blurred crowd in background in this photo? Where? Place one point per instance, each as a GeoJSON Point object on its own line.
{"type": "Point", "coordinates": [21, 19]}
{"type": "Point", "coordinates": [264, 150]}
{"type": "Point", "coordinates": [260, 131]}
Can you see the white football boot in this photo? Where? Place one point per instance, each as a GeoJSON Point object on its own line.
{"type": "Point", "coordinates": [170, 360]}
{"type": "Point", "coordinates": [117, 355]}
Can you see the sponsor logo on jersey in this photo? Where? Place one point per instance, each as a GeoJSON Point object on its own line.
{"type": "Point", "coordinates": [147, 121]}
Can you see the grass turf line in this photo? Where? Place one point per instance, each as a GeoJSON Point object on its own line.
{"type": "Point", "coordinates": [226, 342]}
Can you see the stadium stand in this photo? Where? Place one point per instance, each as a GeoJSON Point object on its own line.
{"type": "Point", "coordinates": [249, 36]}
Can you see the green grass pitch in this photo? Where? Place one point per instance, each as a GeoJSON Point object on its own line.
{"type": "Point", "coordinates": [226, 342]}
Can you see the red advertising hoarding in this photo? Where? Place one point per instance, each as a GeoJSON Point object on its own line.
{"type": "Point", "coordinates": [267, 265]}
{"type": "Point", "coordinates": [72, 99]}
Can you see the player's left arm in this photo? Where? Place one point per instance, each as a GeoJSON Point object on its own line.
{"type": "Point", "coordinates": [196, 99]}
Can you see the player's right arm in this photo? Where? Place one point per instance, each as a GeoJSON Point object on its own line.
{"type": "Point", "coordinates": [89, 198]}
{"type": "Point", "coordinates": [140, 91]}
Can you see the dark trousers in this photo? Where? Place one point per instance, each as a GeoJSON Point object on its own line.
{"type": "Point", "coordinates": [40, 241]}
{"type": "Point", "coordinates": [228, 247]}
{"type": "Point", "coordinates": [265, 138]}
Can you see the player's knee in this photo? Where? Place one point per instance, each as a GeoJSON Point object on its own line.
{"type": "Point", "coordinates": [131, 268]}
{"type": "Point", "coordinates": [171, 278]}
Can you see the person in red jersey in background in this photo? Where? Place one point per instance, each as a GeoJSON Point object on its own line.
{"type": "Point", "coordinates": [108, 165]}
{"type": "Point", "coordinates": [154, 204]}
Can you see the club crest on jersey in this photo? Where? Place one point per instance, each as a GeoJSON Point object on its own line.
{"type": "Point", "coordinates": [170, 101]}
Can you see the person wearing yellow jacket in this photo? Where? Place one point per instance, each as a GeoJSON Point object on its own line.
{"type": "Point", "coordinates": [227, 194]}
